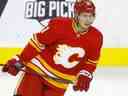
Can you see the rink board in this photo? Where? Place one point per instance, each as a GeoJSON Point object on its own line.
{"type": "Point", "coordinates": [110, 57]}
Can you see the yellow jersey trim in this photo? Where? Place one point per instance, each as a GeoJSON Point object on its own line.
{"type": "Point", "coordinates": [42, 74]}
{"type": "Point", "coordinates": [57, 73]}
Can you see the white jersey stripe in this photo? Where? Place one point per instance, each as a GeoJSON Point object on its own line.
{"type": "Point", "coordinates": [37, 63]}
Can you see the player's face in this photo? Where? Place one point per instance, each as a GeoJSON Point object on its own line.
{"type": "Point", "coordinates": [86, 19]}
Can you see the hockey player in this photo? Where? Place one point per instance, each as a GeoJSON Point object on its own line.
{"type": "Point", "coordinates": [68, 49]}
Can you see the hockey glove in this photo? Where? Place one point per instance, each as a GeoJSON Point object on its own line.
{"type": "Point", "coordinates": [83, 82]}
{"type": "Point", "coordinates": [13, 66]}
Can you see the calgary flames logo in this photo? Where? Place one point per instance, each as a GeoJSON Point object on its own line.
{"type": "Point", "coordinates": [64, 54]}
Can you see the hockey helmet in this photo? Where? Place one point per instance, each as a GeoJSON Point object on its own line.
{"type": "Point", "coordinates": [84, 6]}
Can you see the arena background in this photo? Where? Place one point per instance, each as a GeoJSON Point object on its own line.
{"type": "Point", "coordinates": [112, 73]}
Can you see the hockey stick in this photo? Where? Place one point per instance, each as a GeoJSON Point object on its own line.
{"type": "Point", "coordinates": [2, 6]}
{"type": "Point", "coordinates": [1, 64]}
{"type": "Point", "coordinates": [46, 76]}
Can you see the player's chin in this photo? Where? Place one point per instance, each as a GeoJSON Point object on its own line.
{"type": "Point", "coordinates": [85, 26]}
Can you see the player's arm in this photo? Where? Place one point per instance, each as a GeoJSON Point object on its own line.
{"type": "Point", "coordinates": [89, 66]}
{"type": "Point", "coordinates": [36, 44]}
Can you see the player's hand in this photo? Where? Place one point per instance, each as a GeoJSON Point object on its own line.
{"type": "Point", "coordinates": [13, 66]}
{"type": "Point", "coordinates": [82, 83]}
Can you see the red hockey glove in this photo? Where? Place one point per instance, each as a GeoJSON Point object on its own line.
{"type": "Point", "coordinates": [83, 82]}
{"type": "Point", "coordinates": [13, 66]}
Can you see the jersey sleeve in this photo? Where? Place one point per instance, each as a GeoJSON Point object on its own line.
{"type": "Point", "coordinates": [93, 54]}
{"type": "Point", "coordinates": [39, 41]}
{"type": "Point", "coordinates": [47, 36]}
{"type": "Point", "coordinates": [94, 51]}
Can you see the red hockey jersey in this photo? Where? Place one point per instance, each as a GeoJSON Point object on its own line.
{"type": "Point", "coordinates": [66, 51]}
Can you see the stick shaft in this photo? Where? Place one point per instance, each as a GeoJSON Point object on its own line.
{"type": "Point", "coordinates": [1, 64]}
{"type": "Point", "coordinates": [2, 6]}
